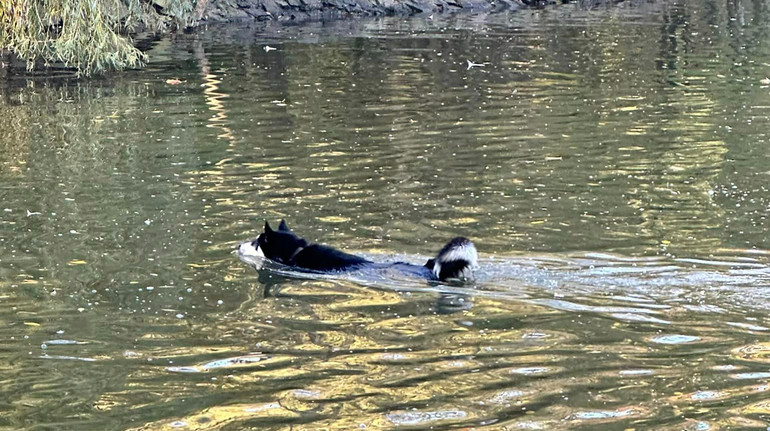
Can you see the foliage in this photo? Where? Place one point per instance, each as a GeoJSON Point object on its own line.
{"type": "Point", "coordinates": [85, 34]}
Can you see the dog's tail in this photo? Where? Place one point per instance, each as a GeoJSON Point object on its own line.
{"type": "Point", "coordinates": [458, 259]}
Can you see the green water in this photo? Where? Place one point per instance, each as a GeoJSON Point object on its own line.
{"type": "Point", "coordinates": [610, 164]}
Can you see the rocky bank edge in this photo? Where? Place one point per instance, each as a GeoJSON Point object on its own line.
{"type": "Point", "coordinates": [301, 10]}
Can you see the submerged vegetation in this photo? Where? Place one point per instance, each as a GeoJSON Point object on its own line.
{"type": "Point", "coordinates": [89, 35]}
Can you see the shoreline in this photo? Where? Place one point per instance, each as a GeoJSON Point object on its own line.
{"type": "Point", "coordinates": [297, 12]}
{"type": "Point", "coordinates": [218, 11]}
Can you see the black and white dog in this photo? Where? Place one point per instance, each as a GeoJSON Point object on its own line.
{"type": "Point", "coordinates": [457, 260]}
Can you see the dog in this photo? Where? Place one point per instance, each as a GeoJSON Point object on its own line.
{"type": "Point", "coordinates": [457, 260]}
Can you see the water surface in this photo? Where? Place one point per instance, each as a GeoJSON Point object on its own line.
{"type": "Point", "coordinates": [609, 163]}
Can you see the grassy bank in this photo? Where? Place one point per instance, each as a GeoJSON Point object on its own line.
{"type": "Point", "coordinates": [87, 35]}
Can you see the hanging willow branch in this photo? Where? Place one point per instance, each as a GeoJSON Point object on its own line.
{"type": "Point", "coordinates": [88, 35]}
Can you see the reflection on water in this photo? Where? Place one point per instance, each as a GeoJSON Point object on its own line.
{"type": "Point", "coordinates": [610, 165]}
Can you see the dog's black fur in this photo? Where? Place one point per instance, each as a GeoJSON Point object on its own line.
{"type": "Point", "coordinates": [456, 260]}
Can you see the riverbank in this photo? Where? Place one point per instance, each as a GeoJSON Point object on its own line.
{"type": "Point", "coordinates": [93, 56]}
{"type": "Point", "coordinates": [301, 10]}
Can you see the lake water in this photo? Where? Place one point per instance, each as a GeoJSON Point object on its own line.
{"type": "Point", "coordinates": [611, 165]}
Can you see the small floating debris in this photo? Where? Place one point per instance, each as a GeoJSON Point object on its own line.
{"type": "Point", "coordinates": [472, 64]}
{"type": "Point", "coordinates": [764, 81]}
{"type": "Point", "coordinates": [269, 48]}
{"type": "Point", "coordinates": [173, 81]}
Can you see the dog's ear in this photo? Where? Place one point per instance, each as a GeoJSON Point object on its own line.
{"type": "Point", "coordinates": [267, 227]}
{"type": "Point", "coordinates": [283, 226]}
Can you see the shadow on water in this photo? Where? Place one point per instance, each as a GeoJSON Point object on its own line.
{"type": "Point", "coordinates": [609, 163]}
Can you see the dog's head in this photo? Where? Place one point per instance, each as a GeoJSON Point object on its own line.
{"type": "Point", "coordinates": [279, 245]}
{"type": "Point", "coordinates": [457, 260]}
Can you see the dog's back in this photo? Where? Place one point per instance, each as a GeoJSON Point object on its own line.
{"type": "Point", "coordinates": [317, 257]}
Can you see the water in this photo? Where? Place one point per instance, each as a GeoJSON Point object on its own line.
{"type": "Point", "coordinates": [609, 163]}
